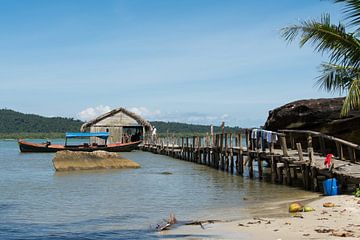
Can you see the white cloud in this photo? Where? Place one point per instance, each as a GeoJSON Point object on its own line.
{"type": "Point", "coordinates": [145, 112]}
{"type": "Point", "coordinates": [194, 118]}
{"type": "Point", "coordinates": [93, 112]}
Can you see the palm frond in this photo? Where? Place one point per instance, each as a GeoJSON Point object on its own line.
{"type": "Point", "coordinates": [335, 78]}
{"type": "Point", "coordinates": [351, 11]}
{"type": "Point", "coordinates": [352, 100]}
{"type": "Point", "coordinates": [342, 47]}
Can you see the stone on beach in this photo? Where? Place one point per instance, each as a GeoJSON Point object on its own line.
{"type": "Point", "coordinates": [69, 161]}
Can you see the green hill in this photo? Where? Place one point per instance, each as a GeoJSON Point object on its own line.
{"type": "Point", "coordinates": [20, 125]}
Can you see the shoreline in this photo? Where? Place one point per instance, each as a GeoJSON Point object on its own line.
{"type": "Point", "coordinates": [341, 221]}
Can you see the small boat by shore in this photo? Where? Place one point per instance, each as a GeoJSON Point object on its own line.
{"type": "Point", "coordinates": [85, 147]}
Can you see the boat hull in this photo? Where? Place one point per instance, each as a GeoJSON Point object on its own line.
{"type": "Point", "coordinates": [48, 148]}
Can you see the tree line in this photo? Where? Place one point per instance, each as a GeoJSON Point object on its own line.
{"type": "Point", "coordinates": [15, 124]}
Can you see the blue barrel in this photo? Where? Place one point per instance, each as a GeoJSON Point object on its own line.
{"type": "Point", "coordinates": [330, 187]}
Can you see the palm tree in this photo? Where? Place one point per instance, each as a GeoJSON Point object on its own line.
{"type": "Point", "coordinates": [342, 72]}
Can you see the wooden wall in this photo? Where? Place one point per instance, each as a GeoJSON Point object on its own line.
{"type": "Point", "coordinates": [114, 124]}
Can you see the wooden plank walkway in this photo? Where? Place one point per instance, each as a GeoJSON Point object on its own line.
{"type": "Point", "coordinates": [284, 161]}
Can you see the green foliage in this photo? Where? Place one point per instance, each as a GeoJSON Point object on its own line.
{"type": "Point", "coordinates": [342, 72]}
{"type": "Point", "coordinates": [15, 122]}
{"type": "Point", "coordinates": [36, 135]}
{"type": "Point", "coordinates": [15, 125]}
{"type": "Point", "coordinates": [357, 192]}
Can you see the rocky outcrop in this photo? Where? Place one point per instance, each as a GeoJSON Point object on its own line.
{"type": "Point", "coordinates": [322, 115]}
{"type": "Point", "coordinates": [69, 160]}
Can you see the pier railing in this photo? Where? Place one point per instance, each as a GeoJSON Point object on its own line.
{"type": "Point", "coordinates": [324, 144]}
{"type": "Point", "coordinates": [240, 140]}
{"type": "Point", "coordinates": [293, 153]}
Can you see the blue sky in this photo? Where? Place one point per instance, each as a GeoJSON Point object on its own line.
{"type": "Point", "coordinates": [200, 61]}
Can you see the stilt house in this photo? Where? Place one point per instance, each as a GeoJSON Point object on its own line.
{"type": "Point", "coordinates": [121, 125]}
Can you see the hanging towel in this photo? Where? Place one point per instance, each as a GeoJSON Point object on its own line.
{"type": "Point", "coordinates": [274, 137]}
{"type": "Point", "coordinates": [254, 134]}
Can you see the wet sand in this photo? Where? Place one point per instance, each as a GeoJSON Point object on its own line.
{"type": "Point", "coordinates": [341, 221]}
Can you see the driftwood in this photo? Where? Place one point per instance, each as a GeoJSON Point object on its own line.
{"type": "Point", "coordinates": [166, 224]}
{"type": "Point", "coordinates": [202, 222]}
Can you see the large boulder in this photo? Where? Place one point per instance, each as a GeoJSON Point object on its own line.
{"type": "Point", "coordinates": [322, 115]}
{"type": "Point", "coordinates": [70, 160]}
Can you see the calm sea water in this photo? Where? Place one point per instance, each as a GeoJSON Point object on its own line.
{"type": "Point", "coordinates": [38, 203]}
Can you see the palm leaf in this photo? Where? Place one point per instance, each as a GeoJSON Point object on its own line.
{"type": "Point", "coordinates": [352, 100]}
{"type": "Point", "coordinates": [342, 73]}
{"type": "Point", "coordinates": [351, 11]}
{"type": "Point", "coordinates": [343, 48]}
{"type": "Point", "coordinates": [335, 78]}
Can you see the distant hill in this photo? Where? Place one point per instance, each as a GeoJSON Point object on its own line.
{"type": "Point", "coordinates": [14, 123]}
{"type": "Point", "coordinates": [20, 125]}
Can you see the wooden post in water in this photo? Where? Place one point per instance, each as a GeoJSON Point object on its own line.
{"type": "Point", "coordinates": [216, 151]}
{"type": "Point", "coordinates": [193, 154]}
{"type": "Point", "coordinates": [259, 165]}
{"type": "Point", "coordinates": [231, 154]}
{"type": "Point", "coordinates": [182, 148]}
{"type": "Point", "coordinates": [241, 156]}
{"type": "Point", "coordinates": [204, 156]}
{"type": "Point", "coordinates": [187, 149]}
{"type": "Point", "coordinates": [213, 152]}
{"type": "Point", "coordinates": [221, 155]}
{"type": "Point", "coordinates": [274, 176]}
{"type": "Point", "coordinates": [251, 167]}
{"type": "Point", "coordinates": [249, 158]}
{"type": "Point", "coordinates": [236, 153]}
{"type": "Point", "coordinates": [226, 167]}
{"type": "Point", "coordinates": [199, 150]}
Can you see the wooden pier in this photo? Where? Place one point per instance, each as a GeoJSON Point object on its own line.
{"type": "Point", "coordinates": [295, 159]}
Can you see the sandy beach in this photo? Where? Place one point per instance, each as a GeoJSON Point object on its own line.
{"type": "Point", "coordinates": [339, 221]}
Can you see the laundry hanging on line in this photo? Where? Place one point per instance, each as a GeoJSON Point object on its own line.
{"type": "Point", "coordinates": [269, 136]}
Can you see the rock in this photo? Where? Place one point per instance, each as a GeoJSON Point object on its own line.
{"type": "Point", "coordinates": [70, 160]}
{"type": "Point", "coordinates": [321, 115]}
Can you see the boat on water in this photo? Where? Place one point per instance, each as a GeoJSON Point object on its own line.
{"type": "Point", "coordinates": [85, 147]}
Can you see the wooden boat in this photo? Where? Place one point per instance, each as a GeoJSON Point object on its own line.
{"type": "Point", "coordinates": [48, 147]}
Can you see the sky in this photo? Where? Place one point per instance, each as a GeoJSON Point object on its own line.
{"type": "Point", "coordinates": [203, 61]}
